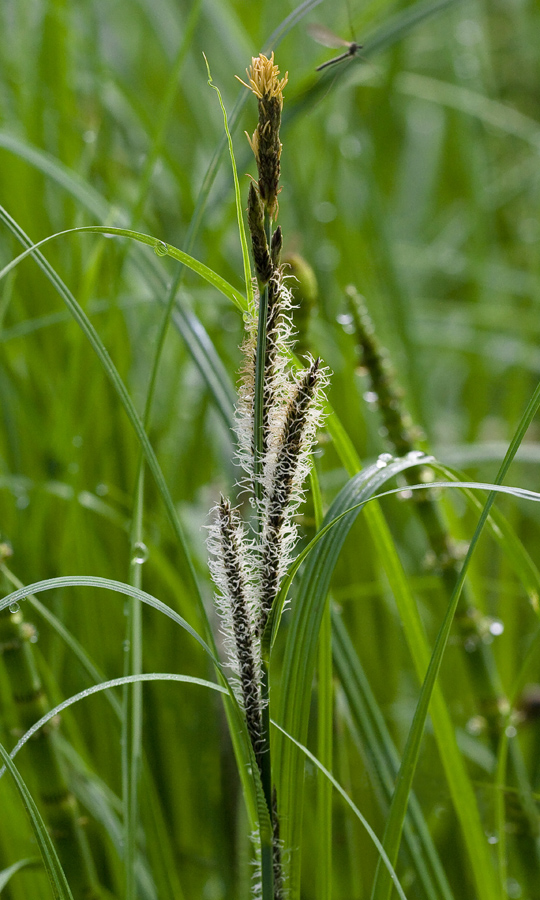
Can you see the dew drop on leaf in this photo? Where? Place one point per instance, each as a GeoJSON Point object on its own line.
{"type": "Point", "coordinates": [140, 553]}
{"type": "Point", "coordinates": [160, 248]}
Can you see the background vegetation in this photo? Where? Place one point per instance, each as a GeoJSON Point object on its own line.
{"type": "Point", "coordinates": [411, 172]}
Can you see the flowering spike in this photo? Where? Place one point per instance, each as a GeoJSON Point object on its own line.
{"type": "Point", "coordinates": [275, 455]}
{"type": "Point", "coordinates": [284, 485]}
{"type": "Point", "coordinates": [259, 244]}
{"type": "Point", "coordinates": [276, 380]}
{"type": "Point", "coordinates": [230, 569]}
{"type": "Point", "coordinates": [265, 143]}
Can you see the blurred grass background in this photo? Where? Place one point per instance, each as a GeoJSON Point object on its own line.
{"type": "Point", "coordinates": [411, 172]}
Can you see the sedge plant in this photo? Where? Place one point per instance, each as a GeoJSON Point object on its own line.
{"type": "Point", "coordinates": [171, 822]}
{"type": "Point", "coordinates": [278, 413]}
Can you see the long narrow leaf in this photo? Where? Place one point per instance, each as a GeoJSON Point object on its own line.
{"type": "Point", "coordinates": [59, 885]}
{"type": "Point", "coordinates": [386, 862]}
{"type": "Point", "coordinates": [298, 668]}
{"type": "Point", "coordinates": [481, 863]}
{"type": "Point", "coordinates": [161, 248]}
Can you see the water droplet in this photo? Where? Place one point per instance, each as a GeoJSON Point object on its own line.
{"type": "Point", "coordinates": [470, 645]}
{"type": "Point", "coordinates": [344, 319]}
{"type": "Point", "coordinates": [102, 489]}
{"type": "Point", "coordinates": [34, 638]}
{"type": "Point", "coordinates": [380, 463]}
{"type": "Point", "coordinates": [510, 731]}
{"type": "Point", "coordinates": [160, 248]}
{"type": "Point", "coordinates": [125, 646]}
{"type": "Point", "coordinates": [140, 553]}
{"type": "Point", "coordinates": [492, 838]}
{"type": "Point", "coordinates": [77, 440]}
{"type": "Point", "coordinates": [14, 607]}
{"type": "Point", "coordinates": [371, 397]}
{"type": "Point", "coordinates": [415, 454]}
{"type": "Point", "coordinates": [386, 457]}
{"type": "Point", "coordinates": [496, 628]}
{"type": "Point", "coordinates": [22, 501]}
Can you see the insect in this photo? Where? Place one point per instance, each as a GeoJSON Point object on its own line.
{"type": "Point", "coordinates": [328, 39]}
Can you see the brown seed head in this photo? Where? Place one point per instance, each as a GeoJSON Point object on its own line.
{"type": "Point", "coordinates": [263, 78]}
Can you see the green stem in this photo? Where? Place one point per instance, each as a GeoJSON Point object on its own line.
{"type": "Point", "coordinates": [267, 860]}
{"type": "Point", "coordinates": [132, 696]}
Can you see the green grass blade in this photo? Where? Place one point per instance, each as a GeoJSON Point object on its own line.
{"type": "Point", "coordinates": [303, 633]}
{"type": "Point", "coordinates": [271, 630]}
{"type": "Point", "coordinates": [238, 200]}
{"type": "Point", "coordinates": [383, 759]}
{"type": "Point", "coordinates": [404, 22]}
{"type": "Point", "coordinates": [491, 112]}
{"type": "Point", "coordinates": [160, 248]}
{"type": "Point", "coordinates": [57, 172]}
{"type": "Point", "coordinates": [208, 363]}
{"type": "Point", "coordinates": [59, 885]}
{"type": "Point", "coordinates": [518, 493]}
{"type": "Point", "coordinates": [187, 323]}
{"type": "Point", "coordinates": [486, 883]}
{"type": "Point", "coordinates": [459, 783]}
{"type": "Point", "coordinates": [67, 637]}
{"type": "Point", "coordinates": [107, 686]}
{"type": "Point", "coordinates": [120, 389]}
{"type": "Point", "coordinates": [107, 584]}
{"type": "Point", "coordinates": [165, 110]}
{"type": "Point", "coordinates": [7, 874]}
{"type": "Point", "coordinates": [349, 802]}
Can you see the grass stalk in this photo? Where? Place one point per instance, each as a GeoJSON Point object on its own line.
{"type": "Point", "coordinates": [402, 437]}
{"type": "Point", "coordinates": [60, 807]}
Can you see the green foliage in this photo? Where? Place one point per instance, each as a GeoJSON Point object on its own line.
{"type": "Point", "coordinates": [410, 171]}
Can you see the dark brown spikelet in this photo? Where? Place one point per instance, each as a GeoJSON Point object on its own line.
{"type": "Point", "coordinates": [269, 151]}
{"type": "Point", "coordinates": [259, 245]}
{"type": "Point", "coordinates": [243, 636]}
{"type": "Point", "coordinates": [276, 246]}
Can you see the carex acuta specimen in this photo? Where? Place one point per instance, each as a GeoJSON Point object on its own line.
{"type": "Point", "coordinates": [278, 413]}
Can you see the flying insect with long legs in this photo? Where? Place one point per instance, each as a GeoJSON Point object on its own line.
{"type": "Point", "coordinates": [328, 39]}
